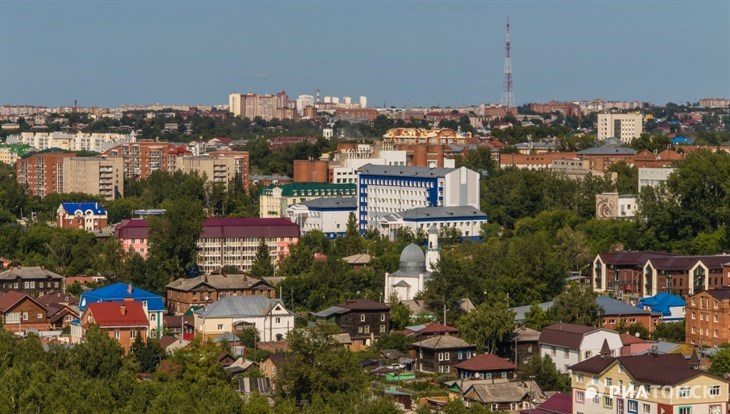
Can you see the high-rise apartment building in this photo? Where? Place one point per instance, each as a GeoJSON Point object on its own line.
{"type": "Point", "coordinates": [42, 173]}
{"type": "Point", "coordinates": [215, 170]}
{"type": "Point", "coordinates": [102, 176]}
{"type": "Point", "coordinates": [241, 163]}
{"type": "Point", "coordinates": [268, 107]}
{"type": "Point", "coordinates": [140, 159]}
{"type": "Point", "coordinates": [625, 127]}
{"type": "Point", "coordinates": [80, 141]}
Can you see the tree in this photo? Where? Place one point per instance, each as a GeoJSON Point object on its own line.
{"type": "Point", "coordinates": [576, 305]}
{"type": "Point", "coordinates": [393, 341]}
{"type": "Point", "coordinates": [488, 324]}
{"type": "Point", "coordinates": [400, 314]}
{"type": "Point", "coordinates": [720, 363]}
{"type": "Point", "coordinates": [670, 331]}
{"type": "Point", "coordinates": [544, 372]}
{"type": "Point", "coordinates": [262, 266]}
{"type": "Point", "coordinates": [351, 242]}
{"type": "Point", "coordinates": [149, 355]}
{"type": "Point", "coordinates": [99, 356]}
{"type": "Point", "coordinates": [249, 337]}
{"type": "Point", "coordinates": [536, 318]}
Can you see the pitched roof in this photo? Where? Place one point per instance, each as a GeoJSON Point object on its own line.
{"type": "Point", "coordinates": [434, 328]}
{"type": "Point", "coordinates": [363, 304]}
{"type": "Point", "coordinates": [657, 369]}
{"type": "Point", "coordinates": [57, 297]}
{"type": "Point", "coordinates": [240, 281]}
{"type": "Point", "coordinates": [220, 228]}
{"type": "Point", "coordinates": [331, 203]}
{"type": "Point", "coordinates": [357, 259]}
{"type": "Point", "coordinates": [442, 342]}
{"type": "Point", "coordinates": [628, 339]}
{"type": "Point", "coordinates": [72, 208]}
{"type": "Point", "coordinates": [319, 189]}
{"type": "Point", "coordinates": [558, 403]}
{"type": "Point", "coordinates": [564, 334]}
{"type": "Point", "coordinates": [117, 292]}
{"type": "Point", "coordinates": [630, 257]}
{"type": "Point", "coordinates": [521, 311]}
{"type": "Point", "coordinates": [504, 392]}
{"type": "Point", "coordinates": [607, 150]}
{"type": "Point", "coordinates": [485, 362]}
{"type": "Point", "coordinates": [720, 293]}
{"type": "Point", "coordinates": [240, 306]}
{"type": "Point", "coordinates": [10, 299]}
{"type": "Point", "coordinates": [613, 307]}
{"type": "Point", "coordinates": [404, 171]}
{"type": "Point", "coordinates": [662, 302]}
{"type": "Point", "coordinates": [29, 272]}
{"type": "Point", "coordinates": [435, 213]}
{"type": "Point", "coordinates": [118, 314]}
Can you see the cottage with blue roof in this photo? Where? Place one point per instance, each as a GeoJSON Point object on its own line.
{"type": "Point", "coordinates": [153, 304]}
{"type": "Point", "coordinates": [672, 307]}
{"type": "Point", "coordinates": [89, 216]}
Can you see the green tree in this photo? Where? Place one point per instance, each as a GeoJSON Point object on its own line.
{"type": "Point", "coordinates": [262, 266]}
{"type": "Point", "coordinates": [148, 355]}
{"type": "Point", "coordinates": [393, 341]}
{"type": "Point", "coordinates": [99, 356]}
{"type": "Point", "coordinates": [576, 305]}
{"type": "Point", "coordinates": [536, 318]}
{"type": "Point", "coordinates": [249, 337]}
{"type": "Point", "coordinates": [488, 325]}
{"type": "Point", "coordinates": [670, 331]}
{"type": "Point", "coordinates": [400, 314]}
{"type": "Point", "coordinates": [720, 363]}
{"type": "Point", "coordinates": [544, 372]}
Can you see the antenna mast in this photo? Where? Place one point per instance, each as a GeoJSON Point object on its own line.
{"type": "Point", "coordinates": [508, 95]}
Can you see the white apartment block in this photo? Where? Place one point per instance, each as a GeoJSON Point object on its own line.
{"type": "Point", "coordinates": [653, 177]}
{"type": "Point", "coordinates": [79, 141]}
{"type": "Point", "coordinates": [625, 127]}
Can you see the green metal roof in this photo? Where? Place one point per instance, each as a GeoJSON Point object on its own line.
{"type": "Point", "coordinates": [311, 189]}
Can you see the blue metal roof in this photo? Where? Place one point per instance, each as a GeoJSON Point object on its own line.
{"type": "Point", "coordinates": [118, 292]}
{"type": "Point", "coordinates": [661, 302]}
{"type": "Point", "coordinates": [681, 140]}
{"type": "Point", "coordinates": [84, 207]}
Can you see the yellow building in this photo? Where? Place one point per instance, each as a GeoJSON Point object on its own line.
{"type": "Point", "coordinates": [94, 175]}
{"type": "Point", "coordinates": [646, 384]}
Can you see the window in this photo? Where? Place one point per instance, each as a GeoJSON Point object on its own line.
{"type": "Point", "coordinates": [382, 317]}
{"type": "Point", "coordinates": [594, 380]}
{"type": "Point", "coordinates": [366, 329]}
{"type": "Point", "coordinates": [504, 375]}
{"type": "Point", "coordinates": [220, 326]}
{"type": "Point", "coordinates": [153, 317]}
{"type": "Point", "coordinates": [382, 328]}
{"type": "Point", "coordinates": [609, 381]}
{"type": "Point", "coordinates": [579, 377]}
{"type": "Point", "coordinates": [580, 396]}
{"type": "Point", "coordinates": [684, 392]}
{"type": "Point", "coordinates": [447, 356]}
{"type": "Point", "coordinates": [133, 334]}
{"type": "Point", "coordinates": [566, 352]}
{"type": "Point", "coordinates": [362, 318]}
{"type": "Point", "coordinates": [685, 410]}
{"type": "Point", "coordinates": [608, 402]}
{"type": "Point", "coordinates": [25, 316]}
{"type": "Point", "coordinates": [715, 409]}
{"type": "Point", "coordinates": [117, 335]}
{"type": "Point", "coordinates": [633, 406]}
{"type": "Point", "coordinates": [596, 399]}
{"type": "Point", "coordinates": [460, 356]}
{"type": "Point", "coordinates": [40, 316]}
{"type": "Point", "coordinates": [587, 354]}
{"type": "Point", "coordinates": [646, 408]}
{"type": "Point", "coordinates": [715, 390]}
{"type": "Point", "coordinates": [441, 356]}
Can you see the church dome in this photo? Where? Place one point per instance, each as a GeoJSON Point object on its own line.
{"type": "Point", "coordinates": [412, 259]}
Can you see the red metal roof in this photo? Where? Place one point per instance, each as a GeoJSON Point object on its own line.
{"type": "Point", "coordinates": [10, 299]}
{"type": "Point", "coordinates": [564, 334]}
{"type": "Point", "coordinates": [221, 228]}
{"type": "Point", "coordinates": [110, 314]}
{"type": "Point", "coordinates": [485, 362]}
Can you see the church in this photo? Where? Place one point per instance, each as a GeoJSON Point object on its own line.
{"type": "Point", "coordinates": [414, 270]}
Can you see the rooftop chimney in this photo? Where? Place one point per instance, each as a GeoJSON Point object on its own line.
{"type": "Point", "coordinates": [129, 289]}
{"type": "Point", "coordinates": [123, 308]}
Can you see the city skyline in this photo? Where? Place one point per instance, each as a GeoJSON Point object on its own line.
{"type": "Point", "coordinates": [404, 54]}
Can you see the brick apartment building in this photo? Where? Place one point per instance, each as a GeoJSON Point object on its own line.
{"type": "Point", "coordinates": [184, 293]}
{"type": "Point", "coordinates": [142, 158]}
{"type": "Point", "coordinates": [708, 318]}
{"type": "Point", "coordinates": [566, 108]}
{"type": "Point", "coordinates": [42, 173]}
{"type": "Point", "coordinates": [241, 163]}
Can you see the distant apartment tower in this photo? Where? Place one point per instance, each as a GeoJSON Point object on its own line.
{"type": "Point", "coordinates": [94, 175]}
{"type": "Point", "coordinates": [241, 162]}
{"type": "Point", "coordinates": [215, 170]}
{"type": "Point", "coordinates": [625, 127]}
{"type": "Point", "coordinates": [42, 173]}
{"type": "Point", "coordinates": [363, 102]}
{"type": "Point", "coordinates": [79, 141]}
{"type": "Point", "coordinates": [304, 101]}
{"type": "Point", "coordinates": [268, 107]}
{"type": "Point", "coordinates": [9, 153]}
{"type": "Point", "coordinates": [714, 102]}
{"type": "Point", "coordinates": [140, 159]}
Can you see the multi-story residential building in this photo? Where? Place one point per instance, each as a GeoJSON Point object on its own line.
{"type": "Point", "coordinates": [233, 314]}
{"type": "Point", "coordinates": [616, 206]}
{"type": "Point", "coordinates": [573, 168]}
{"type": "Point", "coordinates": [621, 271]}
{"type": "Point", "coordinates": [541, 161]}
{"type": "Point", "coordinates": [411, 136]}
{"type": "Point", "coordinates": [653, 177]}
{"type": "Point", "coordinates": [601, 158]}
{"type": "Point", "coordinates": [311, 171]}
{"type": "Point", "coordinates": [94, 175]}
{"type": "Point", "coordinates": [86, 216]}
{"type": "Point", "coordinates": [42, 173]}
{"type": "Point", "coordinates": [384, 190]}
{"type": "Point", "coordinates": [356, 114]}
{"type": "Point", "coordinates": [625, 127]}
{"type": "Point", "coordinates": [152, 305]}
{"type": "Point", "coordinates": [646, 384]}
{"type": "Point", "coordinates": [268, 107]}
{"type": "Point", "coordinates": [363, 319]}
{"type": "Point", "coordinates": [122, 321]}
{"type": "Point", "coordinates": [223, 241]}
{"type": "Point", "coordinates": [714, 102]}
{"type": "Point", "coordinates": [241, 164]}
{"type": "Point", "coordinates": [439, 354]}
{"type": "Point", "coordinates": [274, 200]}
{"type": "Point", "coordinates": [708, 318]}
{"type": "Point", "coordinates": [184, 293]}
{"type": "Point", "coordinates": [566, 108]}
{"type": "Point", "coordinates": [19, 313]}
{"type": "Point", "coordinates": [145, 157]}
{"type": "Point", "coordinates": [684, 275]}
{"type": "Point", "coordinates": [33, 281]}
{"type": "Point", "coordinates": [215, 170]}
{"type": "Point", "coordinates": [567, 344]}
{"type": "Point", "coordinates": [80, 141]}
{"type": "Point", "coordinates": [10, 153]}
{"type": "Point", "coordinates": [328, 215]}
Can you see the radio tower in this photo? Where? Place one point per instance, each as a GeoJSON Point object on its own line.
{"type": "Point", "coordinates": [508, 95]}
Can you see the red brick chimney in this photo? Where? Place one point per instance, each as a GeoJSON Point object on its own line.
{"type": "Point", "coordinates": [123, 309]}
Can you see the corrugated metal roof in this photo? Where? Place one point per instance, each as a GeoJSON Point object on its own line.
{"type": "Point", "coordinates": [239, 306]}
{"type": "Point", "coordinates": [95, 208]}
{"type": "Point", "coordinates": [431, 213]}
{"type": "Point", "coordinates": [117, 292]}
{"type": "Point", "coordinates": [404, 171]}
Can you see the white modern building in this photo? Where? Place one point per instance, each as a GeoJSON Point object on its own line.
{"type": "Point", "coordinates": [363, 102]}
{"type": "Point", "coordinates": [346, 162]}
{"type": "Point", "coordinates": [232, 314]}
{"type": "Point", "coordinates": [386, 190]}
{"type": "Point", "coordinates": [328, 215]}
{"type": "Point", "coordinates": [625, 127]}
{"type": "Point", "coordinates": [466, 220]}
{"type": "Point", "coordinates": [567, 344]}
{"type": "Point", "coordinates": [653, 177]}
{"type": "Point", "coordinates": [80, 141]}
{"type": "Point", "coordinates": [616, 206]}
{"type": "Point", "coordinates": [304, 101]}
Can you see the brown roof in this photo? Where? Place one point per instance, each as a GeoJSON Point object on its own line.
{"type": "Point", "coordinates": [56, 298]}
{"type": "Point", "coordinates": [363, 304]}
{"type": "Point", "coordinates": [628, 339]}
{"type": "Point", "coordinates": [218, 282]}
{"type": "Point", "coordinates": [273, 347]}
{"type": "Point", "coordinates": [442, 342]}
{"type": "Point", "coordinates": [485, 362]}
{"type": "Point", "coordinates": [167, 340]}
{"type": "Point", "coordinates": [220, 228]}
{"type": "Point", "coordinates": [10, 299]}
{"type": "Point", "coordinates": [720, 293]}
{"type": "Point", "coordinates": [630, 258]}
{"type": "Point", "coordinates": [657, 369]}
{"type": "Point", "coordinates": [564, 334]}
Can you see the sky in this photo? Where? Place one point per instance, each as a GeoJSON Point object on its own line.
{"type": "Point", "coordinates": [402, 53]}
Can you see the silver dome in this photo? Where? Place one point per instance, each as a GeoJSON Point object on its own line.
{"type": "Point", "coordinates": [412, 260]}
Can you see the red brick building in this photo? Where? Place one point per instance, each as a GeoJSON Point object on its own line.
{"type": "Point", "coordinates": [311, 171]}
{"type": "Point", "coordinates": [84, 216]}
{"type": "Point", "coordinates": [708, 318]}
{"type": "Point", "coordinates": [142, 158]}
{"type": "Point", "coordinates": [20, 312]}
{"type": "Point", "coordinates": [356, 114]}
{"type": "Point", "coordinates": [42, 173]}
{"type": "Point", "coordinates": [123, 321]}
{"type": "Point", "coordinates": [565, 108]}
{"type": "Point", "coordinates": [184, 293]}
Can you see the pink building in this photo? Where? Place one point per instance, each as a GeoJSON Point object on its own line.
{"type": "Point", "coordinates": [224, 241]}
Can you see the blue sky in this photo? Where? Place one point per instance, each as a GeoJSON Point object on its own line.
{"type": "Point", "coordinates": [107, 53]}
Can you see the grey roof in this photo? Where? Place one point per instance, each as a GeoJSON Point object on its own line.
{"type": "Point", "coordinates": [240, 306]}
{"type": "Point", "coordinates": [404, 171]}
{"type": "Point", "coordinates": [607, 150]}
{"type": "Point", "coordinates": [217, 282]}
{"type": "Point", "coordinates": [426, 213]}
{"type": "Point", "coordinates": [412, 260]}
{"type": "Point", "coordinates": [612, 307]}
{"type": "Point", "coordinates": [357, 259]}
{"type": "Point", "coordinates": [349, 203]}
{"type": "Point", "coordinates": [332, 310]}
{"type": "Point", "coordinates": [525, 334]}
{"type": "Point", "coordinates": [442, 342]}
{"type": "Point", "coordinates": [521, 311]}
{"type": "Point", "coordinates": [506, 392]}
{"type": "Point", "coordinates": [226, 336]}
{"type": "Point", "coordinates": [31, 272]}
{"type": "Point", "coordinates": [433, 230]}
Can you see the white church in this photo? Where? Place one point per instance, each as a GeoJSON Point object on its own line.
{"type": "Point", "coordinates": [414, 270]}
